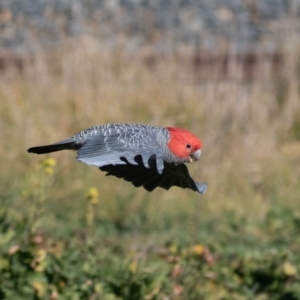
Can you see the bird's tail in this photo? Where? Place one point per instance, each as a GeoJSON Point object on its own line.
{"type": "Point", "coordinates": [63, 145]}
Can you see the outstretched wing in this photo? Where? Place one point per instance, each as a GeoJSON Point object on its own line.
{"type": "Point", "coordinates": [104, 145]}
{"type": "Point", "coordinates": [149, 178]}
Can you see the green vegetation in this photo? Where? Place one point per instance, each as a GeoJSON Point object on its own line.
{"type": "Point", "coordinates": [69, 232]}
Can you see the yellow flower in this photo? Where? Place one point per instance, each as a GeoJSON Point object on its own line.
{"type": "Point", "coordinates": [289, 269]}
{"type": "Point", "coordinates": [133, 266]}
{"type": "Point", "coordinates": [92, 195]}
{"type": "Point", "coordinates": [49, 162]}
{"type": "Point", "coordinates": [48, 165]}
{"type": "Point", "coordinates": [197, 249]}
{"type": "Point", "coordinates": [173, 249]}
{"type": "Point", "coordinates": [48, 170]}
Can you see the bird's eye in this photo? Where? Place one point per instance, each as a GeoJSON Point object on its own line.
{"type": "Point", "coordinates": [188, 146]}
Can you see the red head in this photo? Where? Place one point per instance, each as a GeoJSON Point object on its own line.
{"type": "Point", "coordinates": [183, 144]}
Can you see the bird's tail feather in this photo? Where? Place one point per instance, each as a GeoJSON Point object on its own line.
{"type": "Point", "coordinates": [63, 145]}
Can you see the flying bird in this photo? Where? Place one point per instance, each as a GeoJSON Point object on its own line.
{"type": "Point", "coordinates": [144, 155]}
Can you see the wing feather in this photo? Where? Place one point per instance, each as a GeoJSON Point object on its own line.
{"type": "Point", "coordinates": [149, 178]}
{"type": "Point", "coordinates": [106, 145]}
{"type": "Point", "coordinates": [166, 181]}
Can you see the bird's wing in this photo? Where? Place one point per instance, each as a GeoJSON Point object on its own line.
{"type": "Point", "coordinates": [104, 145]}
{"type": "Point", "coordinates": [139, 175]}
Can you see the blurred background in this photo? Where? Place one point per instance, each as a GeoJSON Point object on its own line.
{"type": "Point", "coordinates": [226, 70]}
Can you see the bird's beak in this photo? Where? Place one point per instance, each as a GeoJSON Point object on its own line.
{"type": "Point", "coordinates": [195, 156]}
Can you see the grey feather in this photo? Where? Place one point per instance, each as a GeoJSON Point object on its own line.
{"type": "Point", "coordinates": [106, 144]}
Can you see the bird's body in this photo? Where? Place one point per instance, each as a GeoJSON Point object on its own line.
{"type": "Point", "coordinates": [145, 155]}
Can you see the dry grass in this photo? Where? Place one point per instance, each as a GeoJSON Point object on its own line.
{"type": "Point", "coordinates": [244, 127]}
{"type": "Point", "coordinates": [239, 241]}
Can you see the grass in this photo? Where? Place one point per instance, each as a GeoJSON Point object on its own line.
{"type": "Point", "coordinates": [69, 232]}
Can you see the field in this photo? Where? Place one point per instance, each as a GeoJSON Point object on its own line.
{"type": "Point", "coordinates": [69, 232]}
